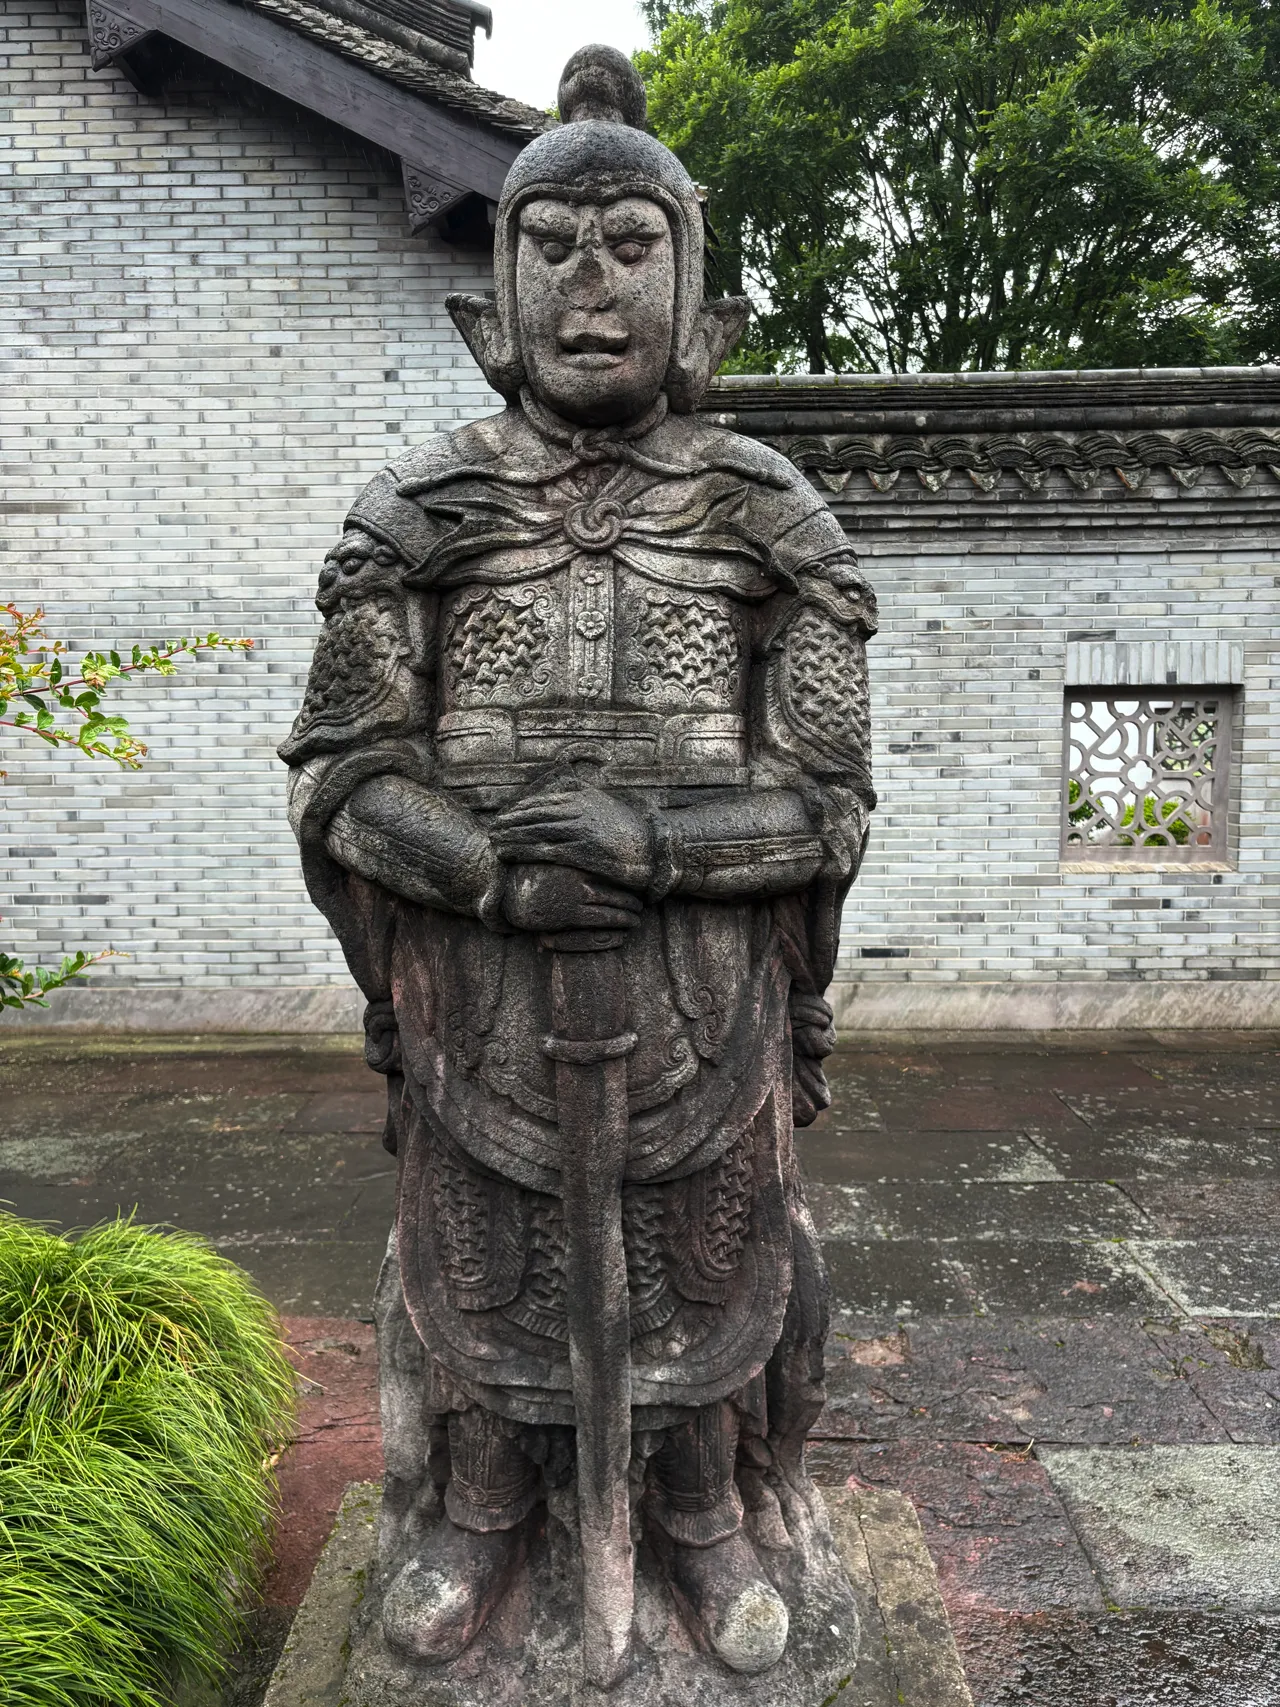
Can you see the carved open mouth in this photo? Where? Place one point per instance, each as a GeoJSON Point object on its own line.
{"type": "Point", "coordinates": [592, 358]}
{"type": "Point", "coordinates": [593, 341]}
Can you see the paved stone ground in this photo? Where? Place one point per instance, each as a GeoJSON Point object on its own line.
{"type": "Point", "coordinates": [1057, 1285]}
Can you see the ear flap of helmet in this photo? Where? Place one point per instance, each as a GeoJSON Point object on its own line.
{"type": "Point", "coordinates": [477, 318]}
{"type": "Point", "coordinates": [716, 328]}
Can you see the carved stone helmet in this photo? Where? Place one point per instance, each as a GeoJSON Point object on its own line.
{"type": "Point", "coordinates": [600, 153]}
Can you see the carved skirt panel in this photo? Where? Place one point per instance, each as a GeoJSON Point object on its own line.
{"type": "Point", "coordinates": [708, 1269]}
{"type": "Point", "coordinates": [706, 986]}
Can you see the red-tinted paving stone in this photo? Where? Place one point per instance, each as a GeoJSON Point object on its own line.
{"type": "Point", "coordinates": [1091, 1382]}
{"type": "Point", "coordinates": [339, 1440]}
{"type": "Point", "coordinates": [999, 1536]}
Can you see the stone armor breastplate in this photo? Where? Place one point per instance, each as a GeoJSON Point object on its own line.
{"type": "Point", "coordinates": [651, 678]}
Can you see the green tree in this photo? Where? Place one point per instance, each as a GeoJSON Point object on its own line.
{"type": "Point", "coordinates": [949, 184]}
{"type": "Point", "coordinates": [43, 695]}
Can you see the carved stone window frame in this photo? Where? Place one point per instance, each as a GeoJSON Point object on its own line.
{"type": "Point", "coordinates": [1156, 696]}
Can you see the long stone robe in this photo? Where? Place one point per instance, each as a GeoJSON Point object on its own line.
{"type": "Point", "coordinates": [676, 614]}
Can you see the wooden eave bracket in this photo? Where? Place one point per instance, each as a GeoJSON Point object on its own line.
{"type": "Point", "coordinates": [111, 35]}
{"type": "Point", "coordinates": [428, 197]}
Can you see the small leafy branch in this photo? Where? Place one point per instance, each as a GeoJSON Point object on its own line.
{"type": "Point", "coordinates": [21, 988]}
{"type": "Point", "coordinates": [35, 679]}
{"type": "Point", "coordinates": [62, 709]}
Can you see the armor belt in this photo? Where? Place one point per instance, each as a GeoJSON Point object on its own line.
{"type": "Point", "coordinates": [646, 748]}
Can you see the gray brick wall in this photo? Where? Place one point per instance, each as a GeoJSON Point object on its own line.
{"type": "Point", "coordinates": [213, 328]}
{"type": "Point", "coordinates": [968, 674]}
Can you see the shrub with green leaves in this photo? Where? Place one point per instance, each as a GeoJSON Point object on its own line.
{"type": "Point", "coordinates": [144, 1392]}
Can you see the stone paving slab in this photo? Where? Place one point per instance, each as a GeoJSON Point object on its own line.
{"type": "Point", "coordinates": [1215, 1277]}
{"type": "Point", "coordinates": [1154, 1150]}
{"type": "Point", "coordinates": [982, 1276]}
{"type": "Point", "coordinates": [1126, 1659]}
{"type": "Point", "coordinates": [1089, 1380]}
{"type": "Point", "coordinates": [1233, 1368]}
{"type": "Point", "coordinates": [833, 1155]}
{"type": "Point", "coordinates": [999, 1534]}
{"type": "Point", "coordinates": [1225, 1208]}
{"type": "Point", "coordinates": [1202, 1106]}
{"type": "Point", "coordinates": [979, 1209]}
{"type": "Point", "coordinates": [1178, 1527]}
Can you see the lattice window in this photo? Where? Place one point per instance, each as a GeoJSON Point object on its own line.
{"type": "Point", "coordinates": [1146, 776]}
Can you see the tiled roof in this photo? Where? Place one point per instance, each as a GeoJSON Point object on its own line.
{"type": "Point", "coordinates": [451, 89]}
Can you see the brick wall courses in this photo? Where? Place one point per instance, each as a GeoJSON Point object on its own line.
{"type": "Point", "coordinates": [968, 681]}
{"type": "Point", "coordinates": [214, 327]}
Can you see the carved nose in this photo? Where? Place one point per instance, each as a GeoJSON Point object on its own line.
{"type": "Point", "coordinates": [585, 284]}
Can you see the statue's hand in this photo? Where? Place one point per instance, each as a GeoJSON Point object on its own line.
{"type": "Point", "coordinates": [557, 898]}
{"type": "Point", "coordinates": [585, 828]}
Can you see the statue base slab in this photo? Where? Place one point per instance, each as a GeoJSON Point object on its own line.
{"type": "Point", "coordinates": [869, 1570]}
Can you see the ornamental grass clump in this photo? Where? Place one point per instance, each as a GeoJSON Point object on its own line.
{"type": "Point", "coordinates": [143, 1394]}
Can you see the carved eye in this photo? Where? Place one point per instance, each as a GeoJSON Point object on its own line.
{"type": "Point", "coordinates": [555, 252]}
{"type": "Point", "coordinates": [629, 251]}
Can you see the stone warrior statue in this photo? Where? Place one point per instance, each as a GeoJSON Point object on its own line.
{"type": "Point", "coordinates": [580, 781]}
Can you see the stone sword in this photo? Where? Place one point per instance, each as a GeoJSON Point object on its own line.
{"type": "Point", "coordinates": [590, 1046]}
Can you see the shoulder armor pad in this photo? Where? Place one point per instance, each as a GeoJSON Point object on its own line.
{"type": "Point", "coordinates": [360, 684]}
{"type": "Point", "coordinates": [398, 522]}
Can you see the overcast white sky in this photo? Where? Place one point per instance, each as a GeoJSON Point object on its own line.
{"type": "Point", "coordinates": [533, 38]}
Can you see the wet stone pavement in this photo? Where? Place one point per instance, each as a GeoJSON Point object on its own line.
{"type": "Point", "coordinates": [1056, 1327]}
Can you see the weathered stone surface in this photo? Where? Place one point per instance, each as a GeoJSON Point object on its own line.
{"type": "Point", "coordinates": [1176, 1526]}
{"type": "Point", "coordinates": [907, 1652]}
{"type": "Point", "coordinates": [998, 1533]}
{"type": "Point", "coordinates": [1155, 1149]}
{"type": "Point", "coordinates": [1136, 1659]}
{"type": "Point", "coordinates": [976, 1209]}
{"type": "Point", "coordinates": [833, 1154]}
{"type": "Point", "coordinates": [1069, 1379]}
{"type": "Point", "coordinates": [314, 1662]}
{"type": "Point", "coordinates": [910, 1652]}
{"type": "Point", "coordinates": [909, 1277]}
{"type": "Point", "coordinates": [1215, 1277]}
{"type": "Point", "coordinates": [529, 1654]}
{"type": "Point", "coordinates": [1233, 1368]}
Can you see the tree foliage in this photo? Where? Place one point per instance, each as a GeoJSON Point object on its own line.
{"type": "Point", "coordinates": [952, 184]}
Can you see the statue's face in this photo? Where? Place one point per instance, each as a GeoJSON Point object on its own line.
{"type": "Point", "coordinates": [595, 291]}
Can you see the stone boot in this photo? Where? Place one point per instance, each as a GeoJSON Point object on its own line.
{"type": "Point", "coordinates": [739, 1610]}
{"type": "Point", "coordinates": [439, 1600]}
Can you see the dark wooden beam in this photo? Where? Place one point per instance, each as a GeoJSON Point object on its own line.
{"type": "Point", "coordinates": [461, 152]}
